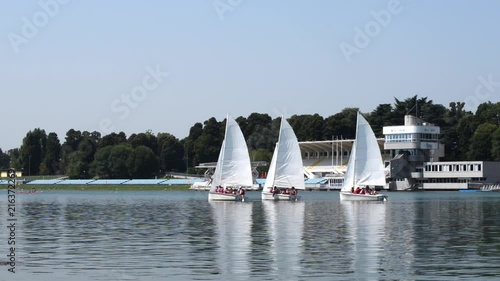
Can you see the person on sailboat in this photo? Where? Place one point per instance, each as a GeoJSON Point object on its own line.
{"type": "Point", "coordinates": [241, 191]}
{"type": "Point", "coordinates": [293, 191]}
{"type": "Point", "coordinates": [275, 190]}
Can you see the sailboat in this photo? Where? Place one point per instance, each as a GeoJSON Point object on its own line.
{"type": "Point", "coordinates": [233, 170]}
{"type": "Point", "coordinates": [365, 166]}
{"type": "Point", "coordinates": [286, 169]}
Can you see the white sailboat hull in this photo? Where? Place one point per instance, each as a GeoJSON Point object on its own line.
{"type": "Point", "coordinates": [213, 196]}
{"type": "Point", "coordinates": [349, 196]}
{"type": "Point", "coordinates": [279, 197]}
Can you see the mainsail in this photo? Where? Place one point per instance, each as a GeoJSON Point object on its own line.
{"type": "Point", "coordinates": [286, 168]}
{"type": "Point", "coordinates": [233, 166]}
{"type": "Point", "coordinates": [365, 163]}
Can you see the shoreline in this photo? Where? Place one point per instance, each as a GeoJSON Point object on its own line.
{"type": "Point", "coordinates": [121, 187]}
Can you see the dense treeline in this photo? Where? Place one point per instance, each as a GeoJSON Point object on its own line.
{"type": "Point", "coordinates": [466, 136]}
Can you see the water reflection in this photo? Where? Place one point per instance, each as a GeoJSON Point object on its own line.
{"type": "Point", "coordinates": [174, 236]}
{"type": "Point", "coordinates": [234, 223]}
{"type": "Point", "coordinates": [366, 226]}
{"type": "Point", "coordinates": [285, 222]}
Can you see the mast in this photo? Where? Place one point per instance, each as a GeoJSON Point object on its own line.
{"type": "Point", "coordinates": [416, 107]}
{"type": "Point", "coordinates": [332, 152]}
{"type": "Point", "coordinates": [341, 152]}
{"type": "Point", "coordinates": [355, 143]}
{"type": "Point", "coordinates": [337, 152]}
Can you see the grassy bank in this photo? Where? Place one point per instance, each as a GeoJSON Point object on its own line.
{"type": "Point", "coordinates": [119, 187]}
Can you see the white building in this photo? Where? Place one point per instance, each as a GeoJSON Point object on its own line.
{"type": "Point", "coordinates": [411, 152]}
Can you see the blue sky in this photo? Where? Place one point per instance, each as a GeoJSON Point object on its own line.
{"type": "Point", "coordinates": [276, 57]}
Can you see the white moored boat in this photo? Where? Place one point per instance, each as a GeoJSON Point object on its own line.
{"type": "Point", "coordinates": [365, 168]}
{"type": "Point", "coordinates": [286, 169]}
{"type": "Point", "coordinates": [233, 168]}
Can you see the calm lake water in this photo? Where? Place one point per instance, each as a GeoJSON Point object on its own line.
{"type": "Point", "coordinates": [82, 235]}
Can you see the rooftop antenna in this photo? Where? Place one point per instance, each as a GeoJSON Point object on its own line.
{"type": "Point", "coordinates": [415, 106]}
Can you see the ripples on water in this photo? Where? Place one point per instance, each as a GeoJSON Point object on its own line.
{"type": "Point", "coordinates": [181, 236]}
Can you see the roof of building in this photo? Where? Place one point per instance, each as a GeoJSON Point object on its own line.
{"type": "Point", "coordinates": [329, 145]}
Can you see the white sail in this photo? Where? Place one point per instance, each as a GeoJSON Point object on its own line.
{"type": "Point", "coordinates": [233, 166]}
{"type": "Point", "coordinates": [272, 170]}
{"type": "Point", "coordinates": [349, 175]}
{"type": "Point", "coordinates": [365, 163]}
{"type": "Point", "coordinates": [286, 169]}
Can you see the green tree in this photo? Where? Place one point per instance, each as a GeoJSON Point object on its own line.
{"type": "Point", "coordinates": [265, 138]}
{"type": "Point", "coordinates": [171, 153]}
{"type": "Point", "coordinates": [118, 161]}
{"type": "Point", "coordinates": [450, 134]}
{"type": "Point", "coordinates": [308, 127]}
{"type": "Point", "coordinates": [481, 143]}
{"type": "Point", "coordinates": [243, 123]}
{"type": "Point", "coordinates": [52, 154]}
{"type": "Point", "coordinates": [4, 160]}
{"type": "Point", "coordinates": [495, 144]}
{"type": "Point", "coordinates": [259, 132]}
{"type": "Point", "coordinates": [32, 150]}
{"type": "Point", "coordinates": [380, 117]}
{"type": "Point", "coordinates": [142, 163]}
{"type": "Point", "coordinates": [101, 167]}
{"type": "Point", "coordinates": [207, 146]}
{"type": "Point", "coordinates": [69, 146]}
{"type": "Point", "coordinates": [189, 154]}
{"type": "Point", "coordinates": [255, 123]}
{"type": "Point", "coordinates": [77, 166]}
{"type": "Point", "coordinates": [465, 130]}
{"type": "Point", "coordinates": [146, 139]}
{"type": "Point", "coordinates": [112, 139]}
{"type": "Point", "coordinates": [342, 124]}
{"type": "Point", "coordinates": [488, 113]}
{"type": "Point", "coordinates": [15, 158]}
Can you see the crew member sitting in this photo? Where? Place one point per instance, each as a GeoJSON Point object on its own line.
{"type": "Point", "coordinates": [275, 190]}
{"type": "Point", "coordinates": [357, 191]}
{"type": "Point", "coordinates": [241, 191]}
{"type": "Point", "coordinates": [293, 191]}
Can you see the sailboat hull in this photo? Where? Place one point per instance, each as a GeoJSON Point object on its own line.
{"type": "Point", "coordinates": [349, 196]}
{"type": "Point", "coordinates": [279, 197]}
{"type": "Point", "coordinates": [213, 196]}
